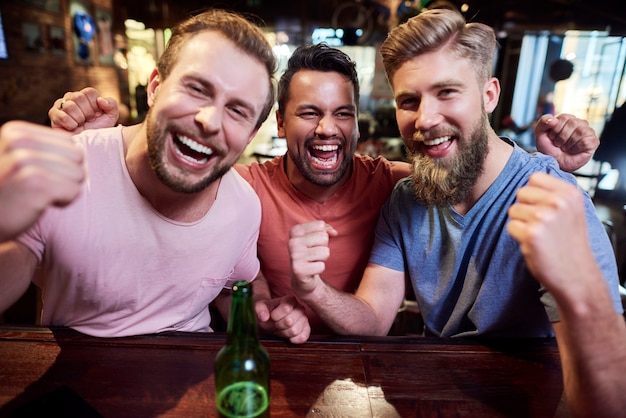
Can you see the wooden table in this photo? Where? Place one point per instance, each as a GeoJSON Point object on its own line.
{"type": "Point", "coordinates": [171, 375]}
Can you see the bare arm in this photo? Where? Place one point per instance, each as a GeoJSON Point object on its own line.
{"type": "Point", "coordinates": [17, 264]}
{"type": "Point", "coordinates": [570, 140]}
{"type": "Point", "coordinates": [222, 303]}
{"type": "Point", "coordinates": [592, 346]}
{"type": "Point", "coordinates": [370, 311]}
{"type": "Point", "coordinates": [591, 336]}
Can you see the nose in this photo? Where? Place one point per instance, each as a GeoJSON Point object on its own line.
{"type": "Point", "coordinates": [209, 117]}
{"type": "Point", "coordinates": [326, 127]}
{"type": "Point", "coordinates": [427, 115]}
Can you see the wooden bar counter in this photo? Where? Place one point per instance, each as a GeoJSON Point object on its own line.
{"type": "Point", "coordinates": [171, 375]}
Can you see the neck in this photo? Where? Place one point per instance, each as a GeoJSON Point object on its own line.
{"type": "Point", "coordinates": [179, 207]}
{"type": "Point", "coordinates": [315, 192]}
{"type": "Point", "coordinates": [495, 161]}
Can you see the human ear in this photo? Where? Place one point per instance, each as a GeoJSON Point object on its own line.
{"type": "Point", "coordinates": [280, 123]}
{"type": "Point", "coordinates": [153, 86]}
{"type": "Point", "coordinates": [491, 94]}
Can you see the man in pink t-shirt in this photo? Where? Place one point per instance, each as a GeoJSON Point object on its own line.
{"type": "Point", "coordinates": [321, 178]}
{"type": "Point", "coordinates": [139, 228]}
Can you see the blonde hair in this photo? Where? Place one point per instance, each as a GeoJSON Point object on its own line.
{"type": "Point", "coordinates": [436, 29]}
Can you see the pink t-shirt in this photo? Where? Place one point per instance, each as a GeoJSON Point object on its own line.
{"type": "Point", "coordinates": [352, 211]}
{"type": "Point", "coordinates": [117, 267]}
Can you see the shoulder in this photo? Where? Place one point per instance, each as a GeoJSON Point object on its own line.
{"type": "Point", "coordinates": [99, 137]}
{"type": "Point", "coordinates": [236, 186]}
{"type": "Point", "coordinates": [258, 171]}
{"type": "Point", "coordinates": [100, 143]}
{"type": "Point", "coordinates": [380, 166]}
{"type": "Point", "coordinates": [104, 150]}
{"type": "Point", "coordinates": [403, 191]}
{"type": "Point", "coordinates": [538, 162]}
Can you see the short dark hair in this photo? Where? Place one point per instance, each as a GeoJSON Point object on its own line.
{"type": "Point", "coordinates": [319, 57]}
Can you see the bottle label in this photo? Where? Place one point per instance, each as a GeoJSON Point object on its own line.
{"type": "Point", "coordinates": [242, 399]}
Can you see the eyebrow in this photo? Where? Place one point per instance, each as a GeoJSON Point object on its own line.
{"type": "Point", "coordinates": [312, 106]}
{"type": "Point", "coordinates": [448, 83]}
{"type": "Point", "coordinates": [437, 85]}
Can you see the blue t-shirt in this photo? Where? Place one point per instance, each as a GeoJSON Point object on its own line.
{"type": "Point", "coordinates": [469, 276]}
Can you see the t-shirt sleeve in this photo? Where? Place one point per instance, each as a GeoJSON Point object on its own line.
{"type": "Point", "coordinates": [248, 266]}
{"type": "Point", "coordinates": [33, 240]}
{"type": "Point", "coordinates": [387, 250]}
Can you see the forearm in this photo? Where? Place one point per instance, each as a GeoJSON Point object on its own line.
{"type": "Point", "coordinates": [592, 342]}
{"type": "Point", "coordinates": [260, 288]}
{"type": "Point", "coordinates": [222, 303]}
{"type": "Point", "coordinates": [344, 313]}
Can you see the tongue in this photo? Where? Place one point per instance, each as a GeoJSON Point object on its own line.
{"type": "Point", "coordinates": [438, 151]}
{"type": "Point", "coordinates": [322, 155]}
{"type": "Point", "coordinates": [323, 160]}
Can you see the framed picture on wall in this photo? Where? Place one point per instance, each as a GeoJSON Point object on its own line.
{"type": "Point", "coordinates": [56, 40]}
{"type": "Point", "coordinates": [31, 33]}
{"type": "Point", "coordinates": [49, 5]}
{"type": "Point", "coordinates": [106, 48]}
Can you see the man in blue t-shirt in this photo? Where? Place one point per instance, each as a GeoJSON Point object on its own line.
{"type": "Point", "coordinates": [445, 227]}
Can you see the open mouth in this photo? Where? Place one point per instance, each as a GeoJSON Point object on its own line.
{"type": "Point", "coordinates": [436, 141]}
{"type": "Point", "coordinates": [191, 150]}
{"type": "Point", "coordinates": [438, 147]}
{"type": "Point", "coordinates": [324, 157]}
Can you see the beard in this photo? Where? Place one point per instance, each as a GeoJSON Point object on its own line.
{"type": "Point", "coordinates": [448, 181]}
{"type": "Point", "coordinates": [177, 179]}
{"type": "Point", "coordinates": [320, 178]}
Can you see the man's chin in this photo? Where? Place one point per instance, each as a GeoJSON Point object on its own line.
{"type": "Point", "coordinates": [435, 191]}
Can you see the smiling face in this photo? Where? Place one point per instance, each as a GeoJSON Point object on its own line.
{"type": "Point", "coordinates": [204, 114]}
{"type": "Point", "coordinates": [442, 115]}
{"type": "Point", "coordinates": [320, 124]}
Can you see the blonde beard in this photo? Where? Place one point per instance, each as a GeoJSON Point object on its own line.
{"type": "Point", "coordinates": [438, 182]}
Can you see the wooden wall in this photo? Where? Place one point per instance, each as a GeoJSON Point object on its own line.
{"type": "Point", "coordinates": [33, 77]}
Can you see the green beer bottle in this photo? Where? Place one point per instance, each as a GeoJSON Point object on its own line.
{"type": "Point", "coordinates": [242, 366]}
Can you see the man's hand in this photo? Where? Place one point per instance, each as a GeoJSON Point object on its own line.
{"type": "Point", "coordinates": [308, 250]}
{"type": "Point", "coordinates": [548, 221]}
{"type": "Point", "coordinates": [283, 317]}
{"type": "Point", "coordinates": [84, 109]}
{"type": "Point", "coordinates": [39, 167]}
{"type": "Point", "coordinates": [571, 141]}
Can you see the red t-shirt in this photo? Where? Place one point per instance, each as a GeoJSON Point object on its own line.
{"type": "Point", "coordinates": [352, 211]}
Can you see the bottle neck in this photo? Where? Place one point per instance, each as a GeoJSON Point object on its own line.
{"type": "Point", "coordinates": [242, 318]}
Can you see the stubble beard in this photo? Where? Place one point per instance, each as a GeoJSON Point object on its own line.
{"type": "Point", "coordinates": [439, 182]}
{"type": "Point", "coordinates": [157, 138]}
{"type": "Point", "coordinates": [323, 179]}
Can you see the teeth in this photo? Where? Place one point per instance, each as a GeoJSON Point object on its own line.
{"type": "Point", "coordinates": [194, 145]}
{"type": "Point", "coordinates": [327, 163]}
{"type": "Point", "coordinates": [193, 160]}
{"type": "Point", "coordinates": [436, 141]}
{"type": "Point", "coordinates": [326, 148]}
